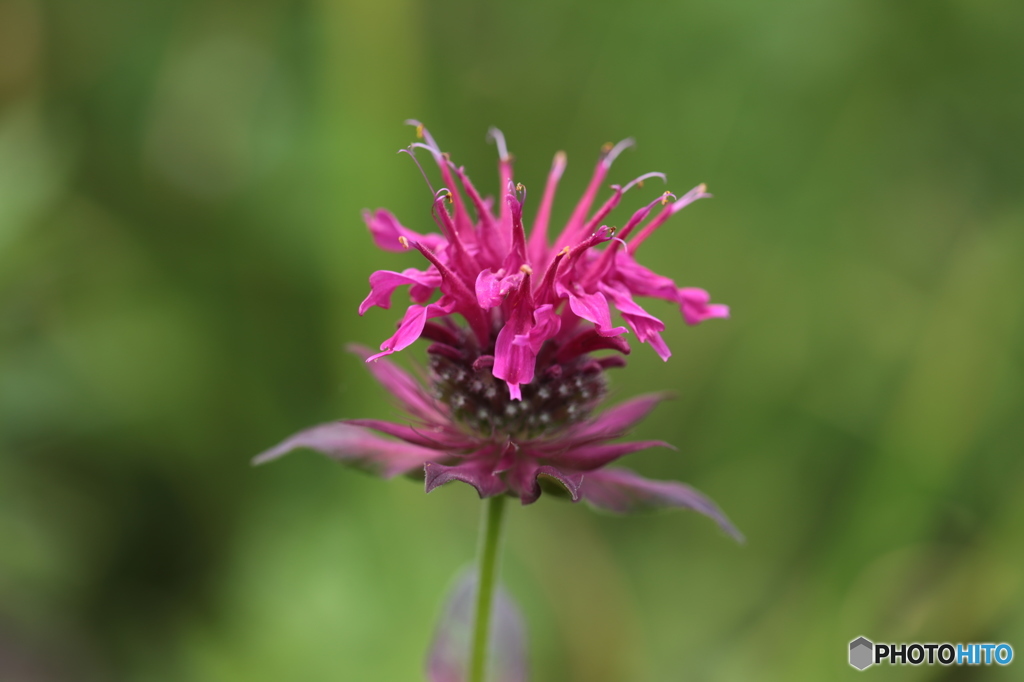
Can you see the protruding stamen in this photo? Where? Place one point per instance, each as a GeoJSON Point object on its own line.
{"type": "Point", "coordinates": [525, 269]}
{"type": "Point", "coordinates": [411, 153]}
{"type": "Point", "coordinates": [443, 192]}
{"type": "Point", "coordinates": [498, 137]}
{"type": "Point", "coordinates": [521, 193]}
{"type": "Point", "coordinates": [443, 162]}
{"type": "Point", "coordinates": [639, 182]}
{"type": "Point", "coordinates": [698, 192]}
{"type": "Point", "coordinates": [598, 269]}
{"type": "Point", "coordinates": [612, 152]}
{"type": "Point", "coordinates": [423, 134]}
{"type": "Point", "coordinates": [404, 241]}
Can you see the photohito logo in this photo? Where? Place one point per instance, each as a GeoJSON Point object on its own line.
{"type": "Point", "coordinates": [865, 653]}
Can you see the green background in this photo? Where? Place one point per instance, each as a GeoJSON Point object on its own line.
{"type": "Point", "coordinates": [182, 255]}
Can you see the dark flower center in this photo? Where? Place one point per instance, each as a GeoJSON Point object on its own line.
{"type": "Point", "coordinates": [559, 395]}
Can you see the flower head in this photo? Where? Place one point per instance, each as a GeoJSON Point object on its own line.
{"type": "Point", "coordinates": [511, 388]}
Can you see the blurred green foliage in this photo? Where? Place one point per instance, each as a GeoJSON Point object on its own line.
{"type": "Point", "coordinates": [181, 257]}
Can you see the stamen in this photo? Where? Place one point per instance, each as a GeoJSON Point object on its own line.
{"type": "Point", "coordinates": [698, 192]}
{"type": "Point", "coordinates": [423, 134]}
{"type": "Point", "coordinates": [525, 269]}
{"type": "Point", "coordinates": [443, 161]}
{"type": "Point", "coordinates": [498, 137]}
{"type": "Point", "coordinates": [612, 153]}
{"type": "Point", "coordinates": [639, 182]}
{"type": "Point", "coordinates": [404, 241]}
{"type": "Point", "coordinates": [599, 268]}
{"type": "Point", "coordinates": [411, 153]}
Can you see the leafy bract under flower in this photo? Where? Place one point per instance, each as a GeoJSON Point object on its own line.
{"type": "Point", "coordinates": [512, 388]}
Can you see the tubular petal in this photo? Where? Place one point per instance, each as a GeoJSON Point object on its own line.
{"type": "Point", "coordinates": [695, 306]}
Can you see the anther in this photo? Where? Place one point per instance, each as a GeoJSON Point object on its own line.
{"type": "Point", "coordinates": [403, 241]}
{"type": "Point", "coordinates": [525, 269]}
{"type": "Point", "coordinates": [419, 131]}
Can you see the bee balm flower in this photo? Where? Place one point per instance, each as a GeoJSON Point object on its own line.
{"type": "Point", "coordinates": [513, 322]}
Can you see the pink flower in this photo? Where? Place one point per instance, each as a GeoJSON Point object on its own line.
{"type": "Point", "coordinates": [512, 388]}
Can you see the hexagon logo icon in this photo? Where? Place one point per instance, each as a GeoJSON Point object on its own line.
{"type": "Point", "coordinates": [861, 650]}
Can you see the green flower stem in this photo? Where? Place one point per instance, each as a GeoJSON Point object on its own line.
{"type": "Point", "coordinates": [487, 560]}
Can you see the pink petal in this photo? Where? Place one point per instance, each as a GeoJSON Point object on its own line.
{"type": "Point", "coordinates": [591, 307]}
{"type": "Point", "coordinates": [477, 472]}
{"type": "Point", "coordinates": [694, 304]}
{"type": "Point", "coordinates": [588, 342]}
{"type": "Point", "coordinates": [449, 651]}
{"type": "Point", "coordinates": [411, 326]}
{"type": "Point", "coordinates": [646, 326]}
{"type": "Point", "coordinates": [546, 324]}
{"type": "Point", "coordinates": [384, 282]}
{"type": "Point", "coordinates": [385, 229]}
{"type": "Point", "coordinates": [624, 492]}
{"type": "Point", "coordinates": [579, 214]}
{"type": "Point", "coordinates": [356, 447]}
{"type": "Point", "coordinates": [538, 247]}
{"type": "Point", "coordinates": [492, 288]}
{"type": "Point", "coordinates": [515, 350]}
{"type": "Point", "coordinates": [641, 281]}
{"type": "Point", "coordinates": [488, 289]}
